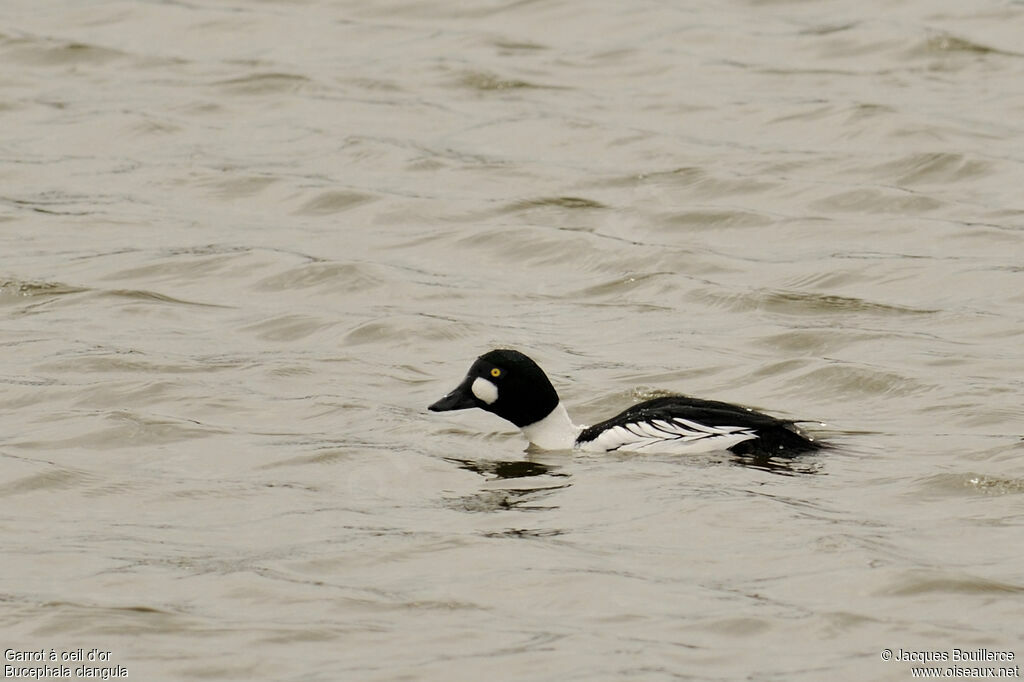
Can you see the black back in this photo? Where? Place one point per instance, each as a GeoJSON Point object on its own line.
{"type": "Point", "coordinates": [775, 436]}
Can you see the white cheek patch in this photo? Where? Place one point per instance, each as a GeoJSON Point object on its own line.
{"type": "Point", "coordinates": [485, 390]}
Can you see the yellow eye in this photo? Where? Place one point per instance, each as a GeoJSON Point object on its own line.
{"type": "Point", "coordinates": [495, 372]}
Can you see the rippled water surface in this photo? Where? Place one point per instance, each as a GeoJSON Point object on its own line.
{"type": "Point", "coordinates": [243, 244]}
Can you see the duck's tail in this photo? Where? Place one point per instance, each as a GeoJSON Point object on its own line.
{"type": "Point", "coordinates": [784, 440]}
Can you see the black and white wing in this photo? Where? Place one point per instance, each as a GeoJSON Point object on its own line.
{"type": "Point", "coordinates": [671, 436]}
{"type": "Point", "coordinates": [682, 425]}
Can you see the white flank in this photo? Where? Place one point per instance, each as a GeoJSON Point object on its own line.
{"type": "Point", "coordinates": [554, 432]}
{"type": "Point", "coordinates": [669, 436]}
{"type": "Point", "coordinates": [485, 390]}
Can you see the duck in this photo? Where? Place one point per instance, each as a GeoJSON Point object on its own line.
{"type": "Point", "coordinates": [509, 384]}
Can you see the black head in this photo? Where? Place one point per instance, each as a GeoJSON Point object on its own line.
{"type": "Point", "coordinates": [507, 383]}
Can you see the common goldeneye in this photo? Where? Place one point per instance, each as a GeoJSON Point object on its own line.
{"type": "Point", "coordinates": [512, 386]}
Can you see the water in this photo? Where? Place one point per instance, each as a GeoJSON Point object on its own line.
{"type": "Point", "coordinates": [244, 244]}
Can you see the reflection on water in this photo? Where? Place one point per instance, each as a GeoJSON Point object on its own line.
{"type": "Point", "coordinates": [514, 484]}
{"type": "Point", "coordinates": [797, 465]}
{"type": "Point", "coordinates": [508, 469]}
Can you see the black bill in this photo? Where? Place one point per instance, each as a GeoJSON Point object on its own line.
{"type": "Point", "coordinates": [461, 398]}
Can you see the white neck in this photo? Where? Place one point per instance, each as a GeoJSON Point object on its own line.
{"type": "Point", "coordinates": [554, 432]}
